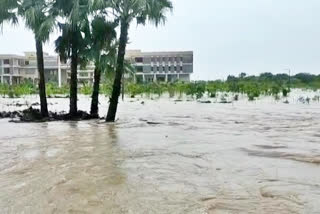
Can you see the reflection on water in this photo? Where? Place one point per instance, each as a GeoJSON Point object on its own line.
{"type": "Point", "coordinates": [163, 157]}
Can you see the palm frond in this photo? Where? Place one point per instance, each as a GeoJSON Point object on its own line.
{"type": "Point", "coordinates": [8, 12]}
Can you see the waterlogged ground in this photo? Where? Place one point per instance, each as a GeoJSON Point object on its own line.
{"type": "Point", "coordinates": [165, 157]}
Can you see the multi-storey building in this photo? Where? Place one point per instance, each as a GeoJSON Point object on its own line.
{"type": "Point", "coordinates": [150, 66]}
{"type": "Point", "coordinates": [161, 66]}
{"type": "Point", "coordinates": [15, 69]}
{"type": "Point", "coordinates": [11, 68]}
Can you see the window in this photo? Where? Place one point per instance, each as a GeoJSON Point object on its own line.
{"type": "Point", "coordinates": [181, 59]}
{"type": "Point", "coordinates": [169, 68]}
{"type": "Point", "coordinates": [175, 68]}
{"type": "Point", "coordinates": [163, 59]}
{"type": "Point", "coordinates": [181, 68]}
{"type": "Point", "coordinates": [139, 59]}
{"type": "Point", "coordinates": [163, 68]}
{"type": "Point", "coordinates": [6, 61]}
{"type": "Point", "coordinates": [151, 68]}
{"type": "Point", "coordinates": [26, 62]}
{"type": "Point", "coordinates": [139, 68]}
{"type": "Point", "coordinates": [6, 70]}
{"type": "Point", "coordinates": [81, 74]}
{"type": "Point", "coordinates": [157, 68]}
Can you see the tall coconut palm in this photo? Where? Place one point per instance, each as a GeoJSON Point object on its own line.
{"type": "Point", "coordinates": [37, 18]}
{"type": "Point", "coordinates": [41, 22]}
{"type": "Point", "coordinates": [72, 42]}
{"type": "Point", "coordinates": [127, 11]}
{"type": "Point", "coordinates": [102, 52]}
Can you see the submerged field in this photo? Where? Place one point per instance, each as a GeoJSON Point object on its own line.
{"type": "Point", "coordinates": [166, 156]}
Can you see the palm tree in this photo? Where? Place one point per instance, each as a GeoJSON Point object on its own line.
{"type": "Point", "coordinates": [102, 51]}
{"type": "Point", "coordinates": [38, 19]}
{"type": "Point", "coordinates": [72, 42]}
{"type": "Point", "coordinates": [7, 13]}
{"type": "Point", "coordinates": [127, 11]}
{"type": "Point", "coordinates": [41, 22]}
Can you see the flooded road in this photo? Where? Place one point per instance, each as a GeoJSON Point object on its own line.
{"type": "Point", "coordinates": [165, 157]}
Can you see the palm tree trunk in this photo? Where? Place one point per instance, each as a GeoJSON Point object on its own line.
{"type": "Point", "coordinates": [95, 93]}
{"type": "Point", "coordinates": [112, 111]}
{"type": "Point", "coordinates": [123, 82]}
{"type": "Point", "coordinates": [42, 84]}
{"type": "Point", "coordinates": [74, 83]}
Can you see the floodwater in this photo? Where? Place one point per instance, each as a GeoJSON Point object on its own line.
{"type": "Point", "coordinates": [165, 157]}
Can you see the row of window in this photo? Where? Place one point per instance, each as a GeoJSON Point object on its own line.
{"type": "Point", "coordinates": [7, 62]}
{"type": "Point", "coordinates": [164, 59]}
{"type": "Point", "coordinates": [169, 68]}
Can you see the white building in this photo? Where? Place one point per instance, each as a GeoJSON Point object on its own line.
{"type": "Point", "coordinates": [15, 69]}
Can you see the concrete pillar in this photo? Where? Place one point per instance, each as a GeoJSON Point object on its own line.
{"type": "Point", "coordinates": [178, 77]}
{"type": "Point", "coordinates": [2, 79]}
{"type": "Point", "coordinates": [134, 78]}
{"type": "Point", "coordinates": [10, 80]}
{"type": "Point", "coordinates": [59, 72]}
{"type": "Point", "coordinates": [154, 78]}
{"type": "Point", "coordinates": [143, 78]}
{"type": "Point", "coordinates": [166, 80]}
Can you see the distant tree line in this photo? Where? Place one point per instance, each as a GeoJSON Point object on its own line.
{"type": "Point", "coordinates": [300, 80]}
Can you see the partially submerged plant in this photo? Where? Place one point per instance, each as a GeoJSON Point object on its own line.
{"type": "Point", "coordinates": [285, 92]}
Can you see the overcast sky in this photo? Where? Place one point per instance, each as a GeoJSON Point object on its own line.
{"type": "Point", "coordinates": [227, 36]}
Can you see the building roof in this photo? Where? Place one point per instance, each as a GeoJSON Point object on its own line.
{"type": "Point", "coordinates": [10, 56]}
{"type": "Point", "coordinates": [26, 55]}
{"type": "Point", "coordinates": [131, 53]}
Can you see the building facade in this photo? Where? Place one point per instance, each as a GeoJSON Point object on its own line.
{"type": "Point", "coordinates": [16, 69]}
{"type": "Point", "coordinates": [149, 67]}
{"type": "Point", "coordinates": [11, 68]}
{"type": "Point", "coordinates": [161, 66]}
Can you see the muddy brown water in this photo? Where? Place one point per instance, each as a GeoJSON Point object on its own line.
{"type": "Point", "coordinates": [165, 157]}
